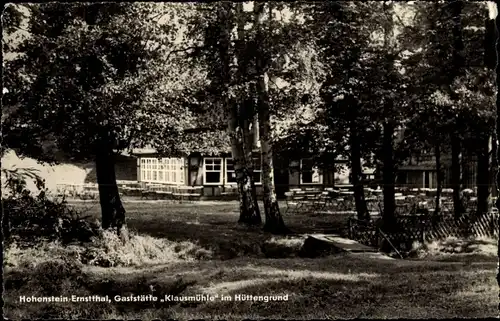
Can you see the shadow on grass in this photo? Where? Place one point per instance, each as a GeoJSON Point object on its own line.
{"type": "Point", "coordinates": [65, 279]}
{"type": "Point", "coordinates": [214, 226]}
{"type": "Point", "coordinates": [311, 294]}
{"type": "Point", "coordinates": [343, 286]}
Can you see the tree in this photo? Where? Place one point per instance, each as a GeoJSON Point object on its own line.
{"type": "Point", "coordinates": [456, 142]}
{"type": "Point", "coordinates": [274, 221]}
{"type": "Point", "coordinates": [87, 72]}
{"type": "Point", "coordinates": [493, 27]}
{"type": "Point", "coordinates": [345, 43]}
{"type": "Point", "coordinates": [259, 52]}
{"type": "Point", "coordinates": [446, 81]}
{"type": "Point", "coordinates": [389, 125]}
{"type": "Point", "coordinates": [216, 52]}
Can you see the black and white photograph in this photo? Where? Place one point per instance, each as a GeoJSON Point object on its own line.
{"type": "Point", "coordinates": [250, 160]}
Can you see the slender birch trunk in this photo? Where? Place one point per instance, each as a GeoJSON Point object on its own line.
{"type": "Point", "coordinates": [483, 173]}
{"type": "Point", "coordinates": [248, 154]}
{"type": "Point", "coordinates": [247, 107]}
{"type": "Point", "coordinates": [274, 220]}
{"type": "Point", "coordinates": [248, 212]}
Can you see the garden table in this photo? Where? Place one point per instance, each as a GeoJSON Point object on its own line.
{"type": "Point", "coordinates": [372, 203]}
{"type": "Point", "coordinates": [347, 200]}
{"type": "Point", "coordinates": [310, 198]}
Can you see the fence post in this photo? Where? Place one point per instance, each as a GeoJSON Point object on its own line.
{"type": "Point", "coordinates": [377, 238]}
{"type": "Point", "coordinates": [349, 228]}
{"type": "Point", "coordinates": [491, 223]}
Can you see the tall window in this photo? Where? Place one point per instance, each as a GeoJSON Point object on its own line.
{"type": "Point", "coordinates": [309, 174]}
{"type": "Point", "coordinates": [231, 174]}
{"type": "Point", "coordinates": [163, 170]}
{"type": "Point", "coordinates": [257, 170]}
{"type": "Point", "coordinates": [213, 170]}
{"type": "Point", "coordinates": [154, 170]}
{"type": "Point", "coordinates": [148, 169]}
{"type": "Point", "coordinates": [143, 169]}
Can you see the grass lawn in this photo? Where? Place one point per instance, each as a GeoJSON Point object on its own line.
{"type": "Point", "coordinates": [338, 286]}
{"type": "Point", "coordinates": [214, 224]}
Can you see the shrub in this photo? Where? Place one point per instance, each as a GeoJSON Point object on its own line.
{"type": "Point", "coordinates": [454, 245]}
{"type": "Point", "coordinates": [29, 218]}
{"type": "Point", "coordinates": [108, 249]}
{"type": "Point", "coordinates": [282, 247]}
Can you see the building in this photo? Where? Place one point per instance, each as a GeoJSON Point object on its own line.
{"type": "Point", "coordinates": [420, 172]}
{"type": "Point", "coordinates": [215, 172]}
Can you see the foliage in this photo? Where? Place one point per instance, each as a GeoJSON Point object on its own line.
{"type": "Point", "coordinates": [453, 92]}
{"type": "Point", "coordinates": [89, 69]}
{"type": "Point", "coordinates": [291, 64]}
{"type": "Point", "coordinates": [453, 246]}
{"type": "Point", "coordinates": [28, 219]}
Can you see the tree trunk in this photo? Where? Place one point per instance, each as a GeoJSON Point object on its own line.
{"type": "Point", "coordinates": [274, 220]}
{"type": "Point", "coordinates": [388, 177]}
{"type": "Point", "coordinates": [439, 178]}
{"type": "Point", "coordinates": [483, 166]}
{"type": "Point", "coordinates": [112, 211]}
{"type": "Point", "coordinates": [494, 164]}
{"type": "Point", "coordinates": [496, 63]}
{"type": "Point", "coordinates": [357, 171]}
{"type": "Point", "coordinates": [247, 106]}
{"type": "Point", "coordinates": [247, 150]}
{"type": "Point", "coordinates": [455, 176]}
{"type": "Point", "coordinates": [248, 211]}
{"type": "Point", "coordinates": [246, 116]}
{"type": "Point", "coordinates": [389, 217]}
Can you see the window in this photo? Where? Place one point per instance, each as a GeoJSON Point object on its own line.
{"type": "Point", "coordinates": [257, 170]}
{"type": "Point", "coordinates": [213, 170]}
{"type": "Point", "coordinates": [231, 175]}
{"type": "Point", "coordinates": [154, 165]}
{"type": "Point", "coordinates": [162, 170]}
{"type": "Point", "coordinates": [143, 169]}
{"type": "Point", "coordinates": [309, 174]}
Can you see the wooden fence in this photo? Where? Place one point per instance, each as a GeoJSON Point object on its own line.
{"type": "Point", "coordinates": [420, 228]}
{"type": "Point", "coordinates": [483, 226]}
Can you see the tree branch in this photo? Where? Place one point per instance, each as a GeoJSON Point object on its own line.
{"type": "Point", "coordinates": [182, 50]}
{"type": "Point", "coordinates": [205, 129]}
{"type": "Point", "coordinates": [399, 19]}
{"type": "Point", "coordinates": [18, 28]}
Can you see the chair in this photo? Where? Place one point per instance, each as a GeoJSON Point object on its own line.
{"type": "Point", "coordinates": [293, 201]}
